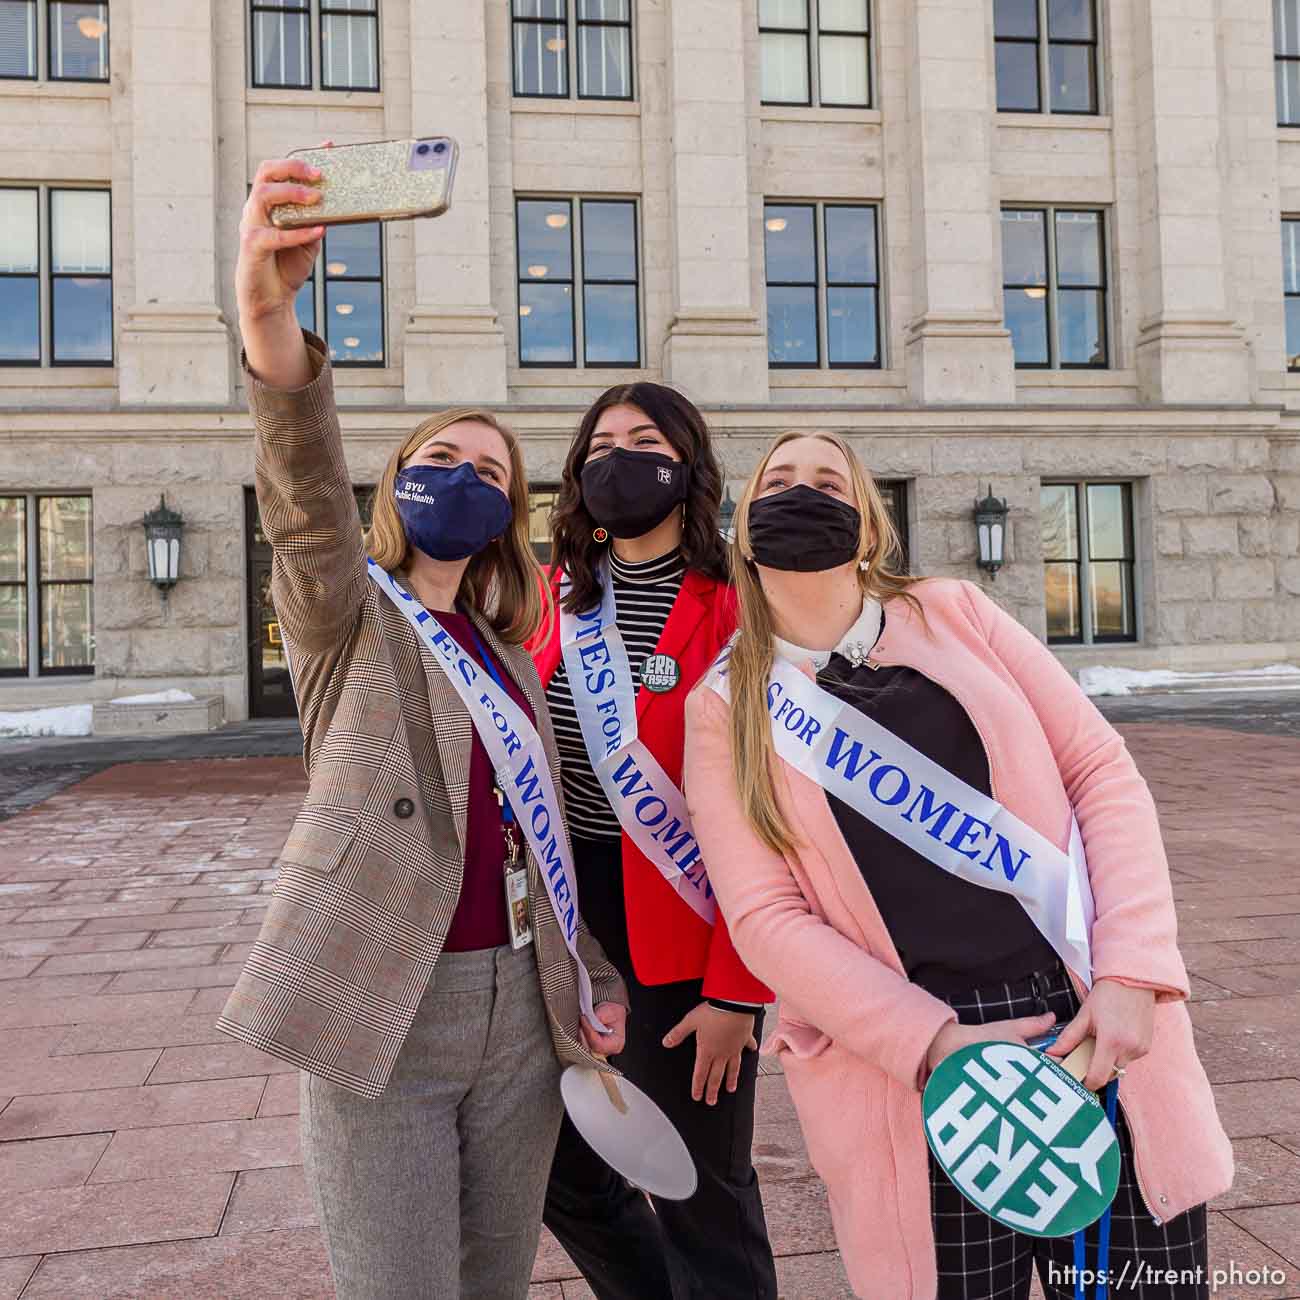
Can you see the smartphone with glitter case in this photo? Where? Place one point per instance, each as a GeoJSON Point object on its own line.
{"type": "Point", "coordinates": [386, 180]}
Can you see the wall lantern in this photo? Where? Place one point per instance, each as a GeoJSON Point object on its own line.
{"type": "Point", "coordinates": [162, 539]}
{"type": "Point", "coordinates": [991, 528]}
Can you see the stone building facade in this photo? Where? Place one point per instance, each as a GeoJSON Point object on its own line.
{"type": "Point", "coordinates": [1163, 373]}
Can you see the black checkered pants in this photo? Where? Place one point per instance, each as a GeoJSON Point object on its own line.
{"type": "Point", "coordinates": [979, 1259]}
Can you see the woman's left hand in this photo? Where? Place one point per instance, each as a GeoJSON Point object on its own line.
{"type": "Point", "coordinates": [720, 1040]}
{"type": "Point", "coordinates": [613, 1015]}
{"type": "Point", "coordinates": [1121, 1019]}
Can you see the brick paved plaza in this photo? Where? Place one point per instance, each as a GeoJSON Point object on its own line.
{"type": "Point", "coordinates": [142, 1154]}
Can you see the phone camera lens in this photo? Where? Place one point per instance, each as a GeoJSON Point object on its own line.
{"type": "Point", "coordinates": [422, 149]}
{"type": "Point", "coordinates": [440, 148]}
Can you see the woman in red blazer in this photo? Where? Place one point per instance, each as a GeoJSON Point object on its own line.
{"type": "Point", "coordinates": [640, 580]}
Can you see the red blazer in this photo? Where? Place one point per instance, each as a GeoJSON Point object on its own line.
{"type": "Point", "coordinates": [668, 941]}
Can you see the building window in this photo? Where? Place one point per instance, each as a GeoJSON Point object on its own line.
{"type": "Point", "coordinates": [343, 43]}
{"type": "Point", "coordinates": [1088, 559]}
{"type": "Point", "coordinates": [75, 35]}
{"type": "Point", "coordinates": [823, 282]}
{"type": "Point", "coordinates": [541, 501]}
{"type": "Point", "coordinates": [1046, 43]}
{"type": "Point", "coordinates": [1291, 288]}
{"type": "Point", "coordinates": [63, 275]}
{"type": "Point", "coordinates": [839, 76]}
{"type": "Point", "coordinates": [597, 311]}
{"type": "Point", "coordinates": [1286, 60]}
{"type": "Point", "coordinates": [894, 492]}
{"type": "Point", "coordinates": [547, 63]}
{"type": "Point", "coordinates": [46, 585]}
{"type": "Point", "coordinates": [345, 294]}
{"type": "Point", "coordinates": [1054, 287]}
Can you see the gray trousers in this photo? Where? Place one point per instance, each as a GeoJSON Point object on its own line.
{"type": "Point", "coordinates": [434, 1191]}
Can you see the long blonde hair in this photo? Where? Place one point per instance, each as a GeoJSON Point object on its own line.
{"type": "Point", "coordinates": [750, 665]}
{"type": "Point", "coordinates": [504, 581]}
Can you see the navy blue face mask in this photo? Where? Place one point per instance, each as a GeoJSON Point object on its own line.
{"type": "Point", "coordinates": [450, 513]}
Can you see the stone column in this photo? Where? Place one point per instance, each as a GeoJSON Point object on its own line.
{"type": "Point", "coordinates": [1190, 347]}
{"type": "Point", "coordinates": [716, 348]}
{"type": "Point", "coordinates": [175, 347]}
{"type": "Point", "coordinates": [957, 347]}
{"type": "Point", "coordinates": [455, 348]}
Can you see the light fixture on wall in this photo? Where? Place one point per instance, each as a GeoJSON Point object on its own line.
{"type": "Point", "coordinates": [991, 530]}
{"type": "Point", "coordinates": [162, 540]}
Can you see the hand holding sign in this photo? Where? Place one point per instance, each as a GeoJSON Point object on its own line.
{"type": "Point", "coordinates": [953, 1036]}
{"type": "Point", "coordinates": [1121, 1019]}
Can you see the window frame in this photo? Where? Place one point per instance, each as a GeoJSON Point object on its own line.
{"type": "Point", "coordinates": [1049, 212]}
{"type": "Point", "coordinates": [329, 9]}
{"type": "Point", "coordinates": [547, 487]}
{"type": "Point", "coordinates": [51, 8]}
{"type": "Point", "coordinates": [1292, 365]}
{"type": "Point", "coordinates": [573, 24]}
{"type": "Point", "coordinates": [42, 293]}
{"type": "Point", "coordinates": [1083, 564]}
{"type": "Point", "coordinates": [320, 303]}
{"type": "Point", "coordinates": [812, 33]}
{"type": "Point", "coordinates": [1280, 58]}
{"type": "Point", "coordinates": [822, 285]}
{"type": "Point", "coordinates": [575, 74]}
{"type": "Point", "coordinates": [316, 12]}
{"type": "Point", "coordinates": [1043, 43]}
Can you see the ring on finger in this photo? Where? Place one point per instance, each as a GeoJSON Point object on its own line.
{"type": "Point", "coordinates": [1118, 1071]}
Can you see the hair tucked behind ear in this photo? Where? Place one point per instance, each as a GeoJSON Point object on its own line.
{"type": "Point", "coordinates": [750, 665]}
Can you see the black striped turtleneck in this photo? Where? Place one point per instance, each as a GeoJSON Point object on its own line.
{"type": "Point", "coordinates": [644, 594]}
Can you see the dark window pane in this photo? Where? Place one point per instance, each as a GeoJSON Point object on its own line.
{"type": "Point", "coordinates": [843, 71]}
{"type": "Point", "coordinates": [604, 62]}
{"type": "Point", "coordinates": [20, 319]}
{"type": "Point", "coordinates": [1017, 67]}
{"type": "Point", "coordinates": [1061, 596]}
{"type": "Point", "coordinates": [13, 539]}
{"type": "Point", "coordinates": [791, 326]}
{"type": "Point", "coordinates": [546, 324]}
{"type": "Point", "coordinates": [1015, 18]}
{"type": "Point", "coordinates": [1082, 327]}
{"type": "Point", "coordinates": [353, 250]}
{"type": "Point", "coordinates": [1074, 80]}
{"type": "Point", "coordinates": [851, 327]}
{"type": "Point", "coordinates": [1112, 601]}
{"type": "Point", "coordinates": [354, 321]}
{"type": "Point", "coordinates": [790, 245]}
{"type": "Point", "coordinates": [1078, 249]}
{"type": "Point", "coordinates": [1070, 20]}
{"type": "Point", "coordinates": [66, 544]}
{"type": "Point", "coordinates": [784, 72]}
{"type": "Point", "coordinates": [280, 56]}
{"type": "Point", "coordinates": [349, 60]}
{"type": "Point", "coordinates": [609, 324]}
{"type": "Point", "coordinates": [850, 245]}
{"type": "Point", "coordinates": [1286, 26]}
{"type": "Point", "coordinates": [1291, 256]}
{"type": "Point", "coordinates": [13, 629]}
{"type": "Point", "coordinates": [79, 41]}
{"type": "Point", "coordinates": [608, 241]}
{"type": "Point", "coordinates": [545, 239]}
{"type": "Point", "coordinates": [614, 11]}
{"type": "Point", "coordinates": [539, 8]}
{"type": "Point", "coordinates": [1287, 73]}
{"type": "Point", "coordinates": [83, 319]}
{"type": "Point", "coordinates": [1293, 333]}
{"type": "Point", "coordinates": [304, 306]}
{"type": "Point", "coordinates": [1059, 514]}
{"type": "Point", "coordinates": [541, 59]}
{"type": "Point", "coordinates": [67, 626]}
{"type": "Point", "coordinates": [1024, 248]}
{"type": "Point", "coordinates": [842, 15]}
{"type": "Point", "coordinates": [1109, 525]}
{"type": "Point", "coordinates": [17, 38]}
{"type": "Point", "coordinates": [1026, 318]}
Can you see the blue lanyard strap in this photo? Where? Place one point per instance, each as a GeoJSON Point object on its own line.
{"type": "Point", "coordinates": [1103, 1224]}
{"type": "Point", "coordinates": [485, 655]}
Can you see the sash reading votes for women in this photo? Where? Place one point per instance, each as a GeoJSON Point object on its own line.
{"type": "Point", "coordinates": [648, 805]}
{"type": "Point", "coordinates": [912, 798]}
{"type": "Point", "coordinates": [519, 759]}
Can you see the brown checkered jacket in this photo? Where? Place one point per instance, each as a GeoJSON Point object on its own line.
{"type": "Point", "coordinates": [365, 895]}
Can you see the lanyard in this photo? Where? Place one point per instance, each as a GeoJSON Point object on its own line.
{"type": "Point", "coordinates": [1103, 1226]}
{"type": "Point", "coordinates": [507, 813]}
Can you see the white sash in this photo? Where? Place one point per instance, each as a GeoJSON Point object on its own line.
{"type": "Point", "coordinates": [649, 807]}
{"type": "Point", "coordinates": [946, 821]}
{"type": "Point", "coordinates": [519, 760]}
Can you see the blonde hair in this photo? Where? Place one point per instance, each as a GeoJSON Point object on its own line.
{"type": "Point", "coordinates": [504, 581]}
{"type": "Point", "coordinates": [750, 665]}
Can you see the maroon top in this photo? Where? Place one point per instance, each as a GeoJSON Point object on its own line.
{"type": "Point", "coordinates": [480, 919]}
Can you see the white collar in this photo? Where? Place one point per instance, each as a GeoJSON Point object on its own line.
{"type": "Point", "coordinates": [855, 645]}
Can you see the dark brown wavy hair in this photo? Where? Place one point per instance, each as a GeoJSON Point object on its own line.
{"type": "Point", "coordinates": [679, 420]}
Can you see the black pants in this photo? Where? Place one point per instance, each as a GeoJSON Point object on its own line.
{"type": "Point", "coordinates": [714, 1245]}
{"type": "Point", "coordinates": [980, 1259]}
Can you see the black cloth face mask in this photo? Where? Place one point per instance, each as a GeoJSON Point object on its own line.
{"type": "Point", "coordinates": [802, 530]}
{"type": "Point", "coordinates": [631, 492]}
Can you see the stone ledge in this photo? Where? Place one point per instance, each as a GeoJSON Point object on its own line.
{"type": "Point", "coordinates": [111, 719]}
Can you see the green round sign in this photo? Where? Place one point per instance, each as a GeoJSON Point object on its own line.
{"type": "Point", "coordinates": [1021, 1138]}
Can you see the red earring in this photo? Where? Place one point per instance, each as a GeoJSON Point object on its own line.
{"type": "Point", "coordinates": [600, 536]}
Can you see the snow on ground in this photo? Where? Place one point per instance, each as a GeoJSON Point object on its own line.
{"type": "Point", "coordinates": [1124, 681]}
{"type": "Point", "coordinates": [158, 697]}
{"type": "Point", "coordinates": [67, 720]}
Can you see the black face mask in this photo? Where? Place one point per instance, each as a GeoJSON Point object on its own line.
{"type": "Point", "coordinates": [802, 530]}
{"type": "Point", "coordinates": [631, 492]}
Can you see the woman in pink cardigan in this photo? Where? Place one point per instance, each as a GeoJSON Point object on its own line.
{"type": "Point", "coordinates": [884, 962]}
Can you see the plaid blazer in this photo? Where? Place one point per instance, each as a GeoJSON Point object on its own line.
{"type": "Point", "coordinates": [370, 875]}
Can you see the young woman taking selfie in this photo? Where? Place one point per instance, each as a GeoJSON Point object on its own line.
{"type": "Point", "coordinates": [644, 608]}
{"type": "Point", "coordinates": [429, 1011]}
{"type": "Point", "coordinates": [886, 961]}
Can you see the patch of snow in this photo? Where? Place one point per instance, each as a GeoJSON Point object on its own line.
{"type": "Point", "coordinates": [66, 720]}
{"type": "Point", "coordinates": [1124, 681]}
{"type": "Point", "coordinates": [158, 697]}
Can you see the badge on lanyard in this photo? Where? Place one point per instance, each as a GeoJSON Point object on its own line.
{"type": "Point", "coordinates": [518, 913]}
{"type": "Point", "coordinates": [660, 674]}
